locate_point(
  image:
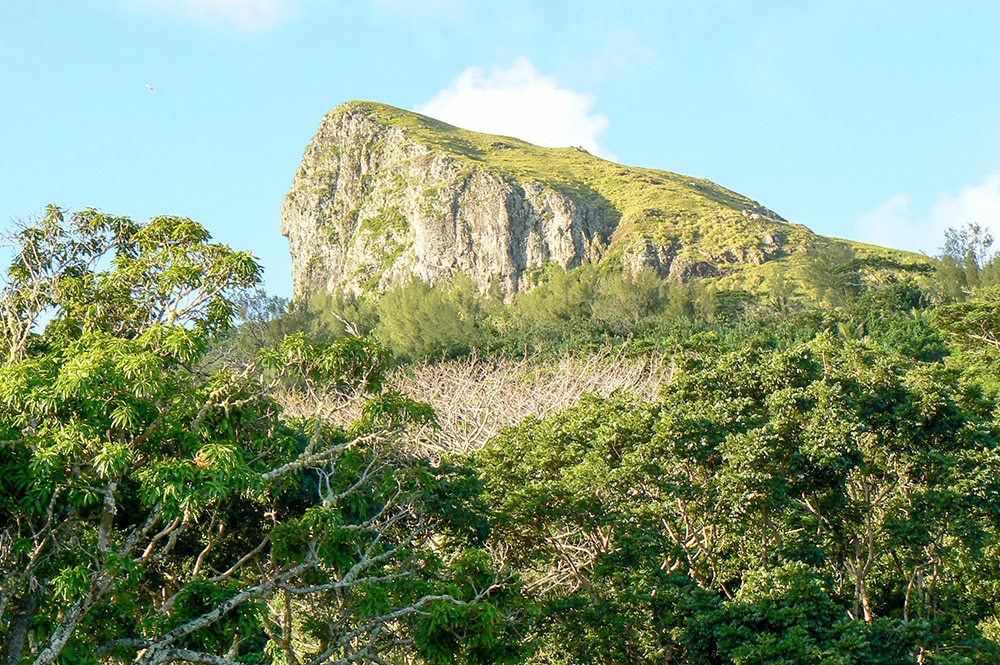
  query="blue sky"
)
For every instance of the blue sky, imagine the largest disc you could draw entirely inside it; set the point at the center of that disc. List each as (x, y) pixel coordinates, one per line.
(877, 121)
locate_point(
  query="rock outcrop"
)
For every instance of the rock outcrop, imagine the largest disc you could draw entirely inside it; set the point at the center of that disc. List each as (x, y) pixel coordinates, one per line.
(384, 195)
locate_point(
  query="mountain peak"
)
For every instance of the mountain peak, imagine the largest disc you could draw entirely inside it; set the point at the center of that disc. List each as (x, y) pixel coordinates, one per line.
(385, 195)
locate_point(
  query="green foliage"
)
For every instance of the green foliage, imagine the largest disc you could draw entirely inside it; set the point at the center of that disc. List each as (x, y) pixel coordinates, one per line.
(389, 220)
(592, 306)
(973, 328)
(816, 485)
(418, 322)
(969, 245)
(815, 504)
(966, 262)
(340, 314)
(158, 506)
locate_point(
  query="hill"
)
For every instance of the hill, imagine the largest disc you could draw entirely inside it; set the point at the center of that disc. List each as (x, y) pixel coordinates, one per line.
(384, 195)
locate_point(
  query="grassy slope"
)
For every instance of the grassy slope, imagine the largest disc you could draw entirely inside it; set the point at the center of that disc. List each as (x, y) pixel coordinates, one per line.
(706, 219)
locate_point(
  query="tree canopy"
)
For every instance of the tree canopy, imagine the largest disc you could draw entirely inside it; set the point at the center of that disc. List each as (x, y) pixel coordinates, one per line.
(816, 483)
(158, 506)
(824, 503)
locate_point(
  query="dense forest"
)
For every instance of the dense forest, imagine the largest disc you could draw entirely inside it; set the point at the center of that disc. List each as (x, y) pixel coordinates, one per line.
(193, 471)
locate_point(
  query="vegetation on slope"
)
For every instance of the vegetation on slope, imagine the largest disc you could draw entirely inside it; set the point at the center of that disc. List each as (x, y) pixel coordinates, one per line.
(815, 484)
(816, 481)
(826, 503)
(702, 219)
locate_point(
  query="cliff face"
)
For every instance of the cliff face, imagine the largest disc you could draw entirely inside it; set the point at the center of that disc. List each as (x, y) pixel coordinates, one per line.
(384, 195)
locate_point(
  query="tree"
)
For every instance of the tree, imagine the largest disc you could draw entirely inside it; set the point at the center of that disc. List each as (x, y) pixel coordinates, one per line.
(975, 324)
(966, 261)
(156, 505)
(418, 321)
(828, 502)
(969, 246)
(973, 327)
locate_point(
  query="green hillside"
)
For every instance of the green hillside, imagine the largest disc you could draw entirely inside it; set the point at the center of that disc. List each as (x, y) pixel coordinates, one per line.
(706, 220)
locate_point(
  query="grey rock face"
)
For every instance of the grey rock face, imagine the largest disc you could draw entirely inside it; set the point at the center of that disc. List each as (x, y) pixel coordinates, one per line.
(370, 207)
(384, 196)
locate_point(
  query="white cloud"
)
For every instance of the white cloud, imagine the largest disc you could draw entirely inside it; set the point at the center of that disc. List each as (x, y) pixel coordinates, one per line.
(520, 102)
(888, 225)
(245, 15)
(895, 224)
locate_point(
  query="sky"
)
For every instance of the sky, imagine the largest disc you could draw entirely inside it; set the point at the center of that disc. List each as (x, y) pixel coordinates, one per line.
(871, 120)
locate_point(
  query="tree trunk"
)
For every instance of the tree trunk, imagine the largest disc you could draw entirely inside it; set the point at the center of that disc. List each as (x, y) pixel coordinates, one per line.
(17, 630)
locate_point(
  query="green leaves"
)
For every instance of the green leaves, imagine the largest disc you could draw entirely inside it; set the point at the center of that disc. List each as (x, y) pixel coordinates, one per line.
(417, 321)
(348, 364)
(812, 489)
(112, 460)
(156, 500)
(71, 583)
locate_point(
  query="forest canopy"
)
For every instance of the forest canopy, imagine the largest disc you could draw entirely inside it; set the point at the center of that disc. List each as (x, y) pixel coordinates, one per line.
(194, 472)
(156, 504)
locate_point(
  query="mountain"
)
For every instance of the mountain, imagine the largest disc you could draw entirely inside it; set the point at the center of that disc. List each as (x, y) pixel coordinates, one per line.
(384, 195)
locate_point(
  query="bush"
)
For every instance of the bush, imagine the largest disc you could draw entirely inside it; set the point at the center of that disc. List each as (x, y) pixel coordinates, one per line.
(417, 321)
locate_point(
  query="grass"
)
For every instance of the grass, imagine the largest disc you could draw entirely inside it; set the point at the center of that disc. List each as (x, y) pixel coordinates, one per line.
(390, 219)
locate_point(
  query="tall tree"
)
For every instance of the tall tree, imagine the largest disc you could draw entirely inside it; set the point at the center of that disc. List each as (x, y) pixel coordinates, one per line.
(969, 245)
(830, 502)
(967, 261)
(156, 507)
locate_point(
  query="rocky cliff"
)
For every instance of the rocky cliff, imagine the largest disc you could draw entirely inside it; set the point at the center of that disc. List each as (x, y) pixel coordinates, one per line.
(385, 195)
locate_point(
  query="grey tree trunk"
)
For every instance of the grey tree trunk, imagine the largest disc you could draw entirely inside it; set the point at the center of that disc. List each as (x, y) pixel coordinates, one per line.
(21, 618)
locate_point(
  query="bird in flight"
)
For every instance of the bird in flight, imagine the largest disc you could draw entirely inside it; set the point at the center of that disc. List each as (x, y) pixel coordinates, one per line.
(150, 88)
